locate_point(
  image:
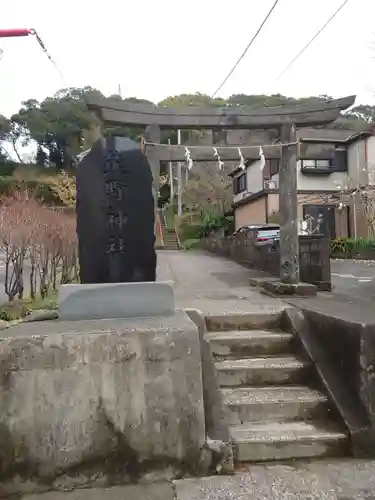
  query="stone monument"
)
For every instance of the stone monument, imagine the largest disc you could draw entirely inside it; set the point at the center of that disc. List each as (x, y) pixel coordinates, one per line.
(115, 214)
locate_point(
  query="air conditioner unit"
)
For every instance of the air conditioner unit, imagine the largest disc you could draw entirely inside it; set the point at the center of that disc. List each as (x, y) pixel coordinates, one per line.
(270, 185)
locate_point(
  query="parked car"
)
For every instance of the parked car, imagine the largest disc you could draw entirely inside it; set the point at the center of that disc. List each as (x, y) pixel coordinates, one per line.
(264, 232)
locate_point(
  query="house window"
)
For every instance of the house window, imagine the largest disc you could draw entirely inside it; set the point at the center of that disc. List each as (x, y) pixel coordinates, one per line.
(340, 162)
(274, 166)
(315, 164)
(239, 184)
(337, 164)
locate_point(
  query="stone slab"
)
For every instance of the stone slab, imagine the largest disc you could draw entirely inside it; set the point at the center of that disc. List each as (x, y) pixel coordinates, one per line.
(116, 300)
(131, 492)
(281, 288)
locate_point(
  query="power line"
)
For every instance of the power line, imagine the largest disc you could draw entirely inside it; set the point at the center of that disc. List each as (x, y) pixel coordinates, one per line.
(245, 51)
(312, 39)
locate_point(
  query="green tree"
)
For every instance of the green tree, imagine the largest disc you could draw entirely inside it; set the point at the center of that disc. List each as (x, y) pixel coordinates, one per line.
(11, 133)
(57, 123)
(187, 100)
(363, 112)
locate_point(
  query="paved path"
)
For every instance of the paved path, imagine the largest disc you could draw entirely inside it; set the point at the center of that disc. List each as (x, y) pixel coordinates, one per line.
(354, 278)
(215, 284)
(212, 284)
(324, 480)
(353, 295)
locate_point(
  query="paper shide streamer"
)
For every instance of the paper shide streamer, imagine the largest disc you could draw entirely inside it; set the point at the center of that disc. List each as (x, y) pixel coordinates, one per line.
(188, 159)
(217, 156)
(242, 159)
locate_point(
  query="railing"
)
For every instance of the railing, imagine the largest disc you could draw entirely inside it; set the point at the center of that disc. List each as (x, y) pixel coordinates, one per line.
(159, 228)
(177, 237)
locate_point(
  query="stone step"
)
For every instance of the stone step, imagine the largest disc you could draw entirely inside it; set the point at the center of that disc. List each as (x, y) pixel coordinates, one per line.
(244, 321)
(261, 371)
(287, 440)
(274, 404)
(249, 342)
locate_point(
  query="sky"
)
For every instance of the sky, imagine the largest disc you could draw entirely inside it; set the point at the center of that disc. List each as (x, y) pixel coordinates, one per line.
(155, 49)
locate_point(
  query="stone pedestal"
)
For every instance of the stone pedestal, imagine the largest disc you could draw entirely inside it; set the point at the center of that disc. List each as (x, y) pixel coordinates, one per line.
(100, 401)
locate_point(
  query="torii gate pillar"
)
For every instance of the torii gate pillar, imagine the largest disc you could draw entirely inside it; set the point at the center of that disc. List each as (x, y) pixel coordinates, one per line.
(153, 134)
(288, 205)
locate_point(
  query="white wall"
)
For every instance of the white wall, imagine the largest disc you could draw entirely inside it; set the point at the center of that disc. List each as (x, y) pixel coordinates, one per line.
(319, 182)
(254, 181)
(371, 159)
(254, 177)
(357, 169)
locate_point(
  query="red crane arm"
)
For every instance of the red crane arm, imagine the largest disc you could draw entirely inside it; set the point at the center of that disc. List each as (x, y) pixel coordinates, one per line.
(16, 33)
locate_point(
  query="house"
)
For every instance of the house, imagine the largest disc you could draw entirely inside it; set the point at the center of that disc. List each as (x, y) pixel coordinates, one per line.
(329, 162)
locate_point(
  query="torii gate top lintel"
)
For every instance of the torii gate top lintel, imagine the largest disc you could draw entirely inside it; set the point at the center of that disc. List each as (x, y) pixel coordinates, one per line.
(118, 112)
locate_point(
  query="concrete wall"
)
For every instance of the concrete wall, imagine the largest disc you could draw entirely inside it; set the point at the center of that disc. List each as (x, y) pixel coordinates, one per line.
(251, 213)
(343, 356)
(100, 399)
(314, 256)
(273, 204)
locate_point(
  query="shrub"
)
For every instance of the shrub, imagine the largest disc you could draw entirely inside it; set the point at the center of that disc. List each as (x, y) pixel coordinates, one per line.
(191, 232)
(192, 243)
(44, 236)
(56, 190)
(351, 245)
(213, 222)
(15, 310)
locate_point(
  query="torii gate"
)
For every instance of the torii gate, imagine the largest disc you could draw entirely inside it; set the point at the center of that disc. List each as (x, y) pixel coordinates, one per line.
(285, 119)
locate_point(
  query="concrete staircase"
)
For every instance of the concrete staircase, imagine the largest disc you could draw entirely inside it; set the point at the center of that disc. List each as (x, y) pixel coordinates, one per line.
(170, 239)
(273, 403)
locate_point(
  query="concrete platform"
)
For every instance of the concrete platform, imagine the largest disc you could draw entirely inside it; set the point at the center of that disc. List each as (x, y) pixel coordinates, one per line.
(122, 395)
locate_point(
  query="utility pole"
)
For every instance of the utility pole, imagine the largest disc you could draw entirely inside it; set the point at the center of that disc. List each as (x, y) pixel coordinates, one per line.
(171, 186)
(179, 179)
